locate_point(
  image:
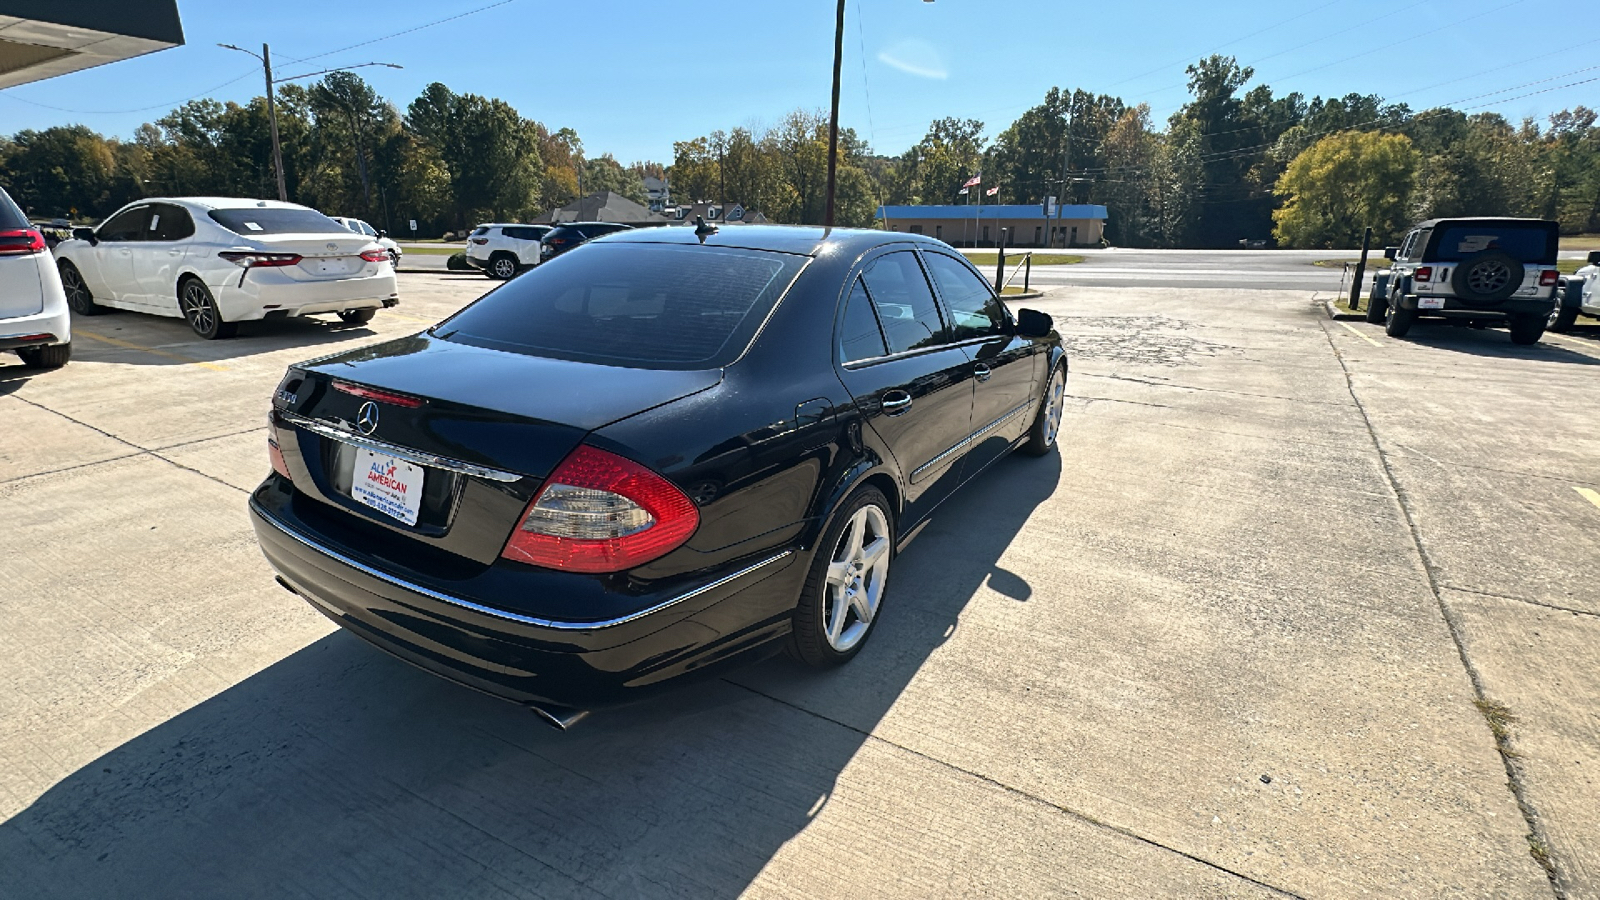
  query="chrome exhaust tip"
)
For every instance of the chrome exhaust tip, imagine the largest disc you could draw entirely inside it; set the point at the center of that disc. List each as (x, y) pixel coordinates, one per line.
(560, 718)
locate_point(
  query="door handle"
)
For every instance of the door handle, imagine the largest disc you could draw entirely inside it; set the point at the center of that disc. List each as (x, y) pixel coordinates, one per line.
(982, 371)
(896, 402)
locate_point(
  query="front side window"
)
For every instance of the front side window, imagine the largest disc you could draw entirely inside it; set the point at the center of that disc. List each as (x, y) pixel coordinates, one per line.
(974, 309)
(637, 305)
(128, 225)
(252, 221)
(859, 335)
(904, 302)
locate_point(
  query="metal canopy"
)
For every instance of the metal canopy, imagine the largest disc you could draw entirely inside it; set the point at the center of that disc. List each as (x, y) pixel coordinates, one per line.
(39, 41)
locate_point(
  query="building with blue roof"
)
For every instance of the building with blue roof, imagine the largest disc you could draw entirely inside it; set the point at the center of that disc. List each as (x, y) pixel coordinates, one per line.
(1070, 225)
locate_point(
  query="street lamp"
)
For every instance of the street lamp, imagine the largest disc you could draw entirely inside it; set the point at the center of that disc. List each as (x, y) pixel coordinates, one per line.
(833, 118)
(272, 109)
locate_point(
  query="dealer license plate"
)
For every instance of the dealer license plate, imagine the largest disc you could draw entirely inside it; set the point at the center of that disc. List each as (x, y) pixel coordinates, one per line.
(389, 485)
(1430, 303)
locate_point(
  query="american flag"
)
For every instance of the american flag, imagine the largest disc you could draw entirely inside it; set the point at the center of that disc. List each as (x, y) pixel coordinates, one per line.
(992, 191)
(973, 181)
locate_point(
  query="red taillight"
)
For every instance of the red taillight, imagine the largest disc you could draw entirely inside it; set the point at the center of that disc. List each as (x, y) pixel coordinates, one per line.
(379, 255)
(367, 393)
(599, 512)
(1424, 274)
(21, 241)
(1549, 277)
(251, 260)
(480, 240)
(276, 455)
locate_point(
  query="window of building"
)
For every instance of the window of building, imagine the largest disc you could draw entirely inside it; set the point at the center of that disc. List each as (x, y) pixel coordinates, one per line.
(916, 229)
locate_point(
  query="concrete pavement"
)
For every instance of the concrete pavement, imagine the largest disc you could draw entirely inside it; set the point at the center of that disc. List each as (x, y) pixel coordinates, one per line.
(1233, 641)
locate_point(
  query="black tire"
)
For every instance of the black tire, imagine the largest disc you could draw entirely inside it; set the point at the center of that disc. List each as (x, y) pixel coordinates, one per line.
(199, 309)
(1568, 300)
(52, 357)
(1487, 277)
(1378, 299)
(1398, 320)
(1527, 329)
(501, 267)
(79, 299)
(356, 316)
(809, 642)
(394, 258)
(1047, 418)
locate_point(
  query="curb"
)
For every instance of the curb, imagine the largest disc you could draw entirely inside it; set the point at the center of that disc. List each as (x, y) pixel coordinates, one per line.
(1338, 314)
(1026, 295)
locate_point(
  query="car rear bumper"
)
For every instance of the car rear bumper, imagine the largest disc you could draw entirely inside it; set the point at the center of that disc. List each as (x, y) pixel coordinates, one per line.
(1516, 306)
(691, 629)
(23, 331)
(263, 292)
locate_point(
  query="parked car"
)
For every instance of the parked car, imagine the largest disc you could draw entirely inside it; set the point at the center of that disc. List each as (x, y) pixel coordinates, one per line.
(55, 231)
(1579, 295)
(570, 234)
(382, 237)
(1470, 271)
(218, 261)
(33, 308)
(725, 447)
(502, 250)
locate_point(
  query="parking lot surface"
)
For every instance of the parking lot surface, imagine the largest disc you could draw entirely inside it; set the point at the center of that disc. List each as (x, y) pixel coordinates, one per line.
(1252, 633)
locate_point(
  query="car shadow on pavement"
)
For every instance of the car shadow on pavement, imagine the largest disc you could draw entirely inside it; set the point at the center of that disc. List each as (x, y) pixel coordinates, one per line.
(1496, 343)
(168, 341)
(14, 376)
(340, 771)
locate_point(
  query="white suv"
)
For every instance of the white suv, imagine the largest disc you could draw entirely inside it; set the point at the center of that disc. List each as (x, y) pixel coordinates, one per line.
(217, 261)
(503, 250)
(382, 237)
(1579, 295)
(33, 309)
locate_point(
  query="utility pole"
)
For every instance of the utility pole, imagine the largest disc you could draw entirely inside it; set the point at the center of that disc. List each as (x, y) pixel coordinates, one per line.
(1066, 156)
(833, 118)
(272, 117)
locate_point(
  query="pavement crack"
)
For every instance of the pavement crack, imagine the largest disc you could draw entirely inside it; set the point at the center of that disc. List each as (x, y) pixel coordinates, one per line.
(140, 451)
(1120, 400)
(1514, 778)
(1208, 390)
(1018, 792)
(1555, 606)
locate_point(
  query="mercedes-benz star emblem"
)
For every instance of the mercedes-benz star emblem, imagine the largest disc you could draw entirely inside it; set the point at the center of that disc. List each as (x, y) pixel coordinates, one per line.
(367, 417)
(332, 246)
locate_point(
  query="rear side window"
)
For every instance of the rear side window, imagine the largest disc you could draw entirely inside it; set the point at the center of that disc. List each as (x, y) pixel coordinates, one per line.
(170, 223)
(11, 217)
(859, 335)
(637, 305)
(1528, 243)
(252, 221)
(480, 230)
(974, 309)
(904, 302)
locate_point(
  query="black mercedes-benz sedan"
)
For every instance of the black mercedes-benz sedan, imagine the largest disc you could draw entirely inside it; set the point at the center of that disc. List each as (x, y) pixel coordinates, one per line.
(667, 451)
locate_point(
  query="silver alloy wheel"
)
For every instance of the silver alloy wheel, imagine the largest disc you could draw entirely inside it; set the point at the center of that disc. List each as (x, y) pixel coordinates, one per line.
(1488, 276)
(504, 267)
(196, 304)
(857, 573)
(1055, 405)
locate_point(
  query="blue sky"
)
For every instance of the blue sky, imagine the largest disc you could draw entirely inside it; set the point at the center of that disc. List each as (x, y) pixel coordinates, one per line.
(632, 76)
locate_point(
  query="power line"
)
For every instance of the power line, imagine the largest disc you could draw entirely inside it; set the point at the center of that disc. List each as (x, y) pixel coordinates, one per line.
(461, 15)
(111, 112)
(1247, 37)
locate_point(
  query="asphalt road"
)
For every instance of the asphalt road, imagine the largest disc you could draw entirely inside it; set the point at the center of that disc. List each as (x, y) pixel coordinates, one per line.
(1235, 639)
(1277, 270)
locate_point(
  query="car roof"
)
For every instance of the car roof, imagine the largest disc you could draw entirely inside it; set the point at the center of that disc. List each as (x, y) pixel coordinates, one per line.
(1484, 220)
(805, 240)
(509, 225)
(209, 203)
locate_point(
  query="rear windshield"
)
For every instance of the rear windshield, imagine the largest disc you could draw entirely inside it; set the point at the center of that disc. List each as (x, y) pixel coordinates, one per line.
(645, 306)
(262, 220)
(10, 216)
(1531, 243)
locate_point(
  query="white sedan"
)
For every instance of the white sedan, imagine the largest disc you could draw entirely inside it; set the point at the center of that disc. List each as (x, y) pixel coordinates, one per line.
(382, 237)
(219, 261)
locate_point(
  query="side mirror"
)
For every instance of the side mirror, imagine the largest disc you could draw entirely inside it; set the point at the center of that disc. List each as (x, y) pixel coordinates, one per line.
(382, 233)
(85, 234)
(1034, 324)
(1594, 257)
(1391, 252)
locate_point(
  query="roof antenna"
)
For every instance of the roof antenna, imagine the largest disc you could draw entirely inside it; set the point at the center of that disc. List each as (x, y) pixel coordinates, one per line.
(702, 230)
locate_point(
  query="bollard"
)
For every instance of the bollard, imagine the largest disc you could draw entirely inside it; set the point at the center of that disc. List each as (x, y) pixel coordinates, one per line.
(1027, 270)
(1361, 270)
(1000, 264)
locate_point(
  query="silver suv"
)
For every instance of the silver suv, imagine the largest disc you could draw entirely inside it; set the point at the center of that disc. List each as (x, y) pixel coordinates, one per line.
(503, 250)
(1471, 271)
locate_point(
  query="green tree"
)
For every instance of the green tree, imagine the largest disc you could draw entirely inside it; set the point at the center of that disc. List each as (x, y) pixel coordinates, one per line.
(1343, 183)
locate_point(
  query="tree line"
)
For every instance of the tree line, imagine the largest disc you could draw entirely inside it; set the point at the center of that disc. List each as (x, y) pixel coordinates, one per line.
(1236, 161)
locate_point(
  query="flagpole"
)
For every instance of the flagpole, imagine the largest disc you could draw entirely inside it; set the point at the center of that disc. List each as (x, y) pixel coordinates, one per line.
(977, 214)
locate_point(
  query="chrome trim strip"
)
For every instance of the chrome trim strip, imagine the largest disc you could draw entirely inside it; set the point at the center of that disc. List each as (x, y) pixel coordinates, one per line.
(415, 456)
(966, 441)
(558, 624)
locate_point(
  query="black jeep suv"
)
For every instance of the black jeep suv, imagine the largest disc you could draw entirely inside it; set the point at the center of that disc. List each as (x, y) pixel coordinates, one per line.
(1472, 271)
